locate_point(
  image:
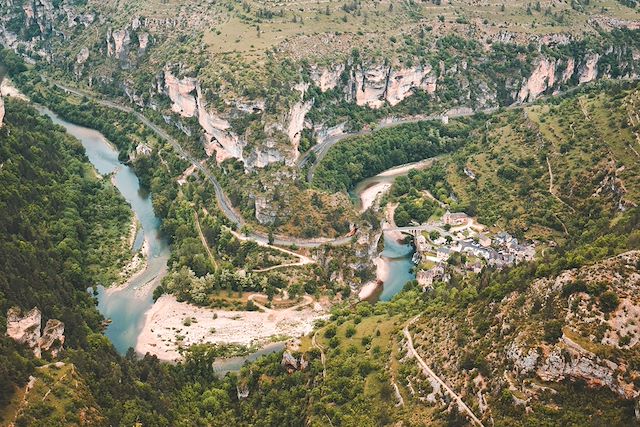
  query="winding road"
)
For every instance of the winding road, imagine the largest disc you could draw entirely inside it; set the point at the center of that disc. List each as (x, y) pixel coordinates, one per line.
(223, 202)
(320, 150)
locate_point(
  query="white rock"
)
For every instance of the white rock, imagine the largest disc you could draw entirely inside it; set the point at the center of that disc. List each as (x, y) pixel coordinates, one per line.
(1, 111)
(589, 70)
(52, 337)
(296, 123)
(25, 329)
(542, 78)
(180, 92)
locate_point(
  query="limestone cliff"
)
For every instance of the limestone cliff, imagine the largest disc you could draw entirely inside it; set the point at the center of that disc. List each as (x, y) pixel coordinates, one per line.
(296, 123)
(326, 78)
(542, 78)
(26, 330)
(589, 69)
(181, 93)
(52, 337)
(1, 111)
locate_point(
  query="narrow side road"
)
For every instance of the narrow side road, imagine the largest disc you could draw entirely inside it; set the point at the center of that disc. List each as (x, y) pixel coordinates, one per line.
(314, 342)
(427, 371)
(203, 239)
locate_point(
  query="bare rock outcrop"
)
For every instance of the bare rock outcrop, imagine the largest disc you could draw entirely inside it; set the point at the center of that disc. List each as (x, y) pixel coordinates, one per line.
(402, 83)
(327, 78)
(27, 330)
(371, 86)
(265, 213)
(52, 337)
(1, 112)
(181, 93)
(589, 70)
(570, 360)
(296, 123)
(542, 78)
(118, 44)
(291, 364)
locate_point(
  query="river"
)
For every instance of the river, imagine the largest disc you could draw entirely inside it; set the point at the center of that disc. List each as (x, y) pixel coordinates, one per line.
(126, 305)
(396, 256)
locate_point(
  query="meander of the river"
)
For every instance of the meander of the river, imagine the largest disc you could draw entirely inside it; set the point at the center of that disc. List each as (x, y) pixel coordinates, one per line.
(126, 306)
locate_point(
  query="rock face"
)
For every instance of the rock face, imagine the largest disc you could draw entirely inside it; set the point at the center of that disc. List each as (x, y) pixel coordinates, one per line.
(570, 361)
(371, 86)
(327, 78)
(377, 84)
(52, 337)
(180, 91)
(26, 330)
(219, 138)
(296, 123)
(118, 44)
(291, 364)
(542, 78)
(265, 214)
(589, 70)
(403, 82)
(1, 111)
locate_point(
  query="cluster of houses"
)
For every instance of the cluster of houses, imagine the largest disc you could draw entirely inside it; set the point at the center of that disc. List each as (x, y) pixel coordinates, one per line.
(478, 248)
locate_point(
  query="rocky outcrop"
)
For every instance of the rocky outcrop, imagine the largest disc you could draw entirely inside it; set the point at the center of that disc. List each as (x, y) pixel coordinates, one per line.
(181, 93)
(264, 155)
(219, 138)
(326, 78)
(371, 86)
(589, 70)
(291, 364)
(82, 56)
(296, 123)
(524, 361)
(188, 100)
(265, 213)
(52, 337)
(546, 75)
(26, 330)
(402, 83)
(542, 78)
(569, 360)
(1, 112)
(41, 13)
(143, 42)
(118, 44)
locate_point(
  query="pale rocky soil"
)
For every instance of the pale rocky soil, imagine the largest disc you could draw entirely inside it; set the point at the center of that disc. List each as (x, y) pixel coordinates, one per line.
(165, 321)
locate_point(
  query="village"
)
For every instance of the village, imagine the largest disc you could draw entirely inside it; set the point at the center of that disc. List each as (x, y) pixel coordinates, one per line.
(457, 242)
